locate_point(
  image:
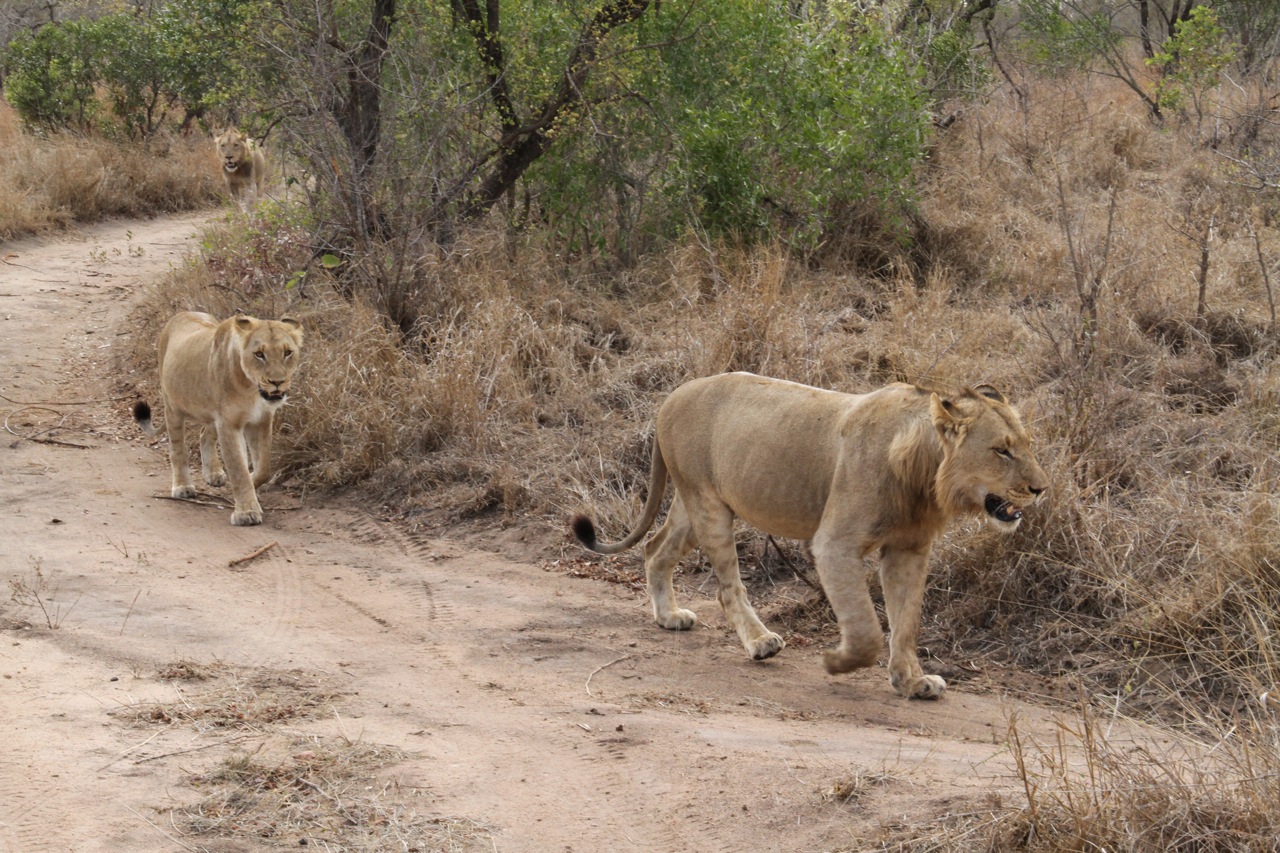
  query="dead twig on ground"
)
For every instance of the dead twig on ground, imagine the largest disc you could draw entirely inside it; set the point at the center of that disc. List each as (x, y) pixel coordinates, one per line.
(598, 669)
(130, 612)
(161, 831)
(252, 556)
(786, 561)
(37, 436)
(65, 402)
(195, 748)
(213, 501)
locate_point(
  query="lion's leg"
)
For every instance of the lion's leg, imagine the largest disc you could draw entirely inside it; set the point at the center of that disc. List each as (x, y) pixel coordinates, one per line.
(713, 527)
(175, 423)
(247, 510)
(844, 581)
(210, 463)
(661, 553)
(902, 576)
(258, 439)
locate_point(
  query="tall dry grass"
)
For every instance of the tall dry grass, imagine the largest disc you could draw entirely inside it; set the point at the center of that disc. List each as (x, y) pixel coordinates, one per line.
(48, 183)
(1098, 783)
(1154, 567)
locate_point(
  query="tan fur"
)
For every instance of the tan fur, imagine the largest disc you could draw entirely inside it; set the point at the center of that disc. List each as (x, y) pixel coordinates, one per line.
(231, 377)
(243, 164)
(857, 474)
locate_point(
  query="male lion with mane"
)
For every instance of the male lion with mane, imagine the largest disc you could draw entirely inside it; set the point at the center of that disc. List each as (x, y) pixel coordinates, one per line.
(243, 165)
(855, 474)
(231, 377)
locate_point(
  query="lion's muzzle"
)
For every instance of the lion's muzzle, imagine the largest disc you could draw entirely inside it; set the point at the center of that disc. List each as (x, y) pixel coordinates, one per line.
(1002, 510)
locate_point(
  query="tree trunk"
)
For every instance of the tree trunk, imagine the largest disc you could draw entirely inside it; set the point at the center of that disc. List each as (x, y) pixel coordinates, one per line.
(1144, 27)
(360, 114)
(522, 143)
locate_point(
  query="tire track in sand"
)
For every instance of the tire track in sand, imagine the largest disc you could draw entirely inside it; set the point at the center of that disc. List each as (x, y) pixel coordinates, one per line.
(402, 561)
(605, 760)
(275, 576)
(29, 819)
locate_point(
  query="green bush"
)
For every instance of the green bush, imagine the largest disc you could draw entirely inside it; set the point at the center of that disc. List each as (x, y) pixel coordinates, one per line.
(184, 57)
(50, 75)
(748, 122)
(1192, 61)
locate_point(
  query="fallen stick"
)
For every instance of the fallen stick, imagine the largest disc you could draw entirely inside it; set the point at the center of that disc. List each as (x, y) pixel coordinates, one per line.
(193, 749)
(218, 502)
(597, 669)
(247, 557)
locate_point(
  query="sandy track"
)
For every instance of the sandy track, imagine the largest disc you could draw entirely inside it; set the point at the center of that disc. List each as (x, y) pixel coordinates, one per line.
(547, 711)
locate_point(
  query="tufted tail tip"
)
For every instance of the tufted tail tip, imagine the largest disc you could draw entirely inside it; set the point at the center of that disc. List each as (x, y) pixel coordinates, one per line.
(142, 414)
(585, 531)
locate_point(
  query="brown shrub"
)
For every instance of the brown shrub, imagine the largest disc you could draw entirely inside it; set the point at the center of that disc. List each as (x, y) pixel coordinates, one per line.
(49, 183)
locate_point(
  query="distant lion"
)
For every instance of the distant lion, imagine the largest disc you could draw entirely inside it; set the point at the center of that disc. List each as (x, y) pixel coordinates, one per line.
(857, 474)
(244, 166)
(230, 377)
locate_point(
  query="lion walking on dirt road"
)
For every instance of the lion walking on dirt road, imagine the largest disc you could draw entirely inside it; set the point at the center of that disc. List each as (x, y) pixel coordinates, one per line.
(856, 474)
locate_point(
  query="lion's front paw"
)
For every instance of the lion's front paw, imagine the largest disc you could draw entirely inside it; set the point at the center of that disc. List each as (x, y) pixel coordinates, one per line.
(847, 660)
(183, 492)
(678, 620)
(765, 647)
(246, 518)
(216, 478)
(923, 687)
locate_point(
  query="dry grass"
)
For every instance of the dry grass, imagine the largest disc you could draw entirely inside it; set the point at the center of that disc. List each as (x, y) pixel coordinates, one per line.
(231, 699)
(1097, 787)
(853, 786)
(332, 794)
(284, 789)
(50, 183)
(1061, 241)
(1219, 796)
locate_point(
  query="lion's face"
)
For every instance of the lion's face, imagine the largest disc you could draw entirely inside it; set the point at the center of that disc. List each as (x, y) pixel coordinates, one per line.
(233, 149)
(989, 466)
(269, 354)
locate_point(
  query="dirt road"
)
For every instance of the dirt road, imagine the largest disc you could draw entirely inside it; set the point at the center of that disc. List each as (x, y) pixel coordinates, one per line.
(357, 687)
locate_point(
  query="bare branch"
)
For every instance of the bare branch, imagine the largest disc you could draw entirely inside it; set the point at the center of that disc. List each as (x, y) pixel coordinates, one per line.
(521, 147)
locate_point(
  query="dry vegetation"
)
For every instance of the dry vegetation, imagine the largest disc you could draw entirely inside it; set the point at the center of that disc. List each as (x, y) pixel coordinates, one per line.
(282, 789)
(1085, 792)
(1113, 275)
(312, 791)
(49, 183)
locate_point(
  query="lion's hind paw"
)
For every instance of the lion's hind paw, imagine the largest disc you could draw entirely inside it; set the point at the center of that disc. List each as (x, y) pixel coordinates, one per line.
(928, 687)
(678, 620)
(246, 518)
(763, 648)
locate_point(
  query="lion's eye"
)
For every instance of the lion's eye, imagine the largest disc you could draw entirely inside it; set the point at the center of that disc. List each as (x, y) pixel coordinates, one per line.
(288, 353)
(1000, 451)
(260, 355)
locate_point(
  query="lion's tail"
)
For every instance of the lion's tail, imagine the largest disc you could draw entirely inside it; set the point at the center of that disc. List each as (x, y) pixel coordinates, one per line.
(585, 529)
(142, 414)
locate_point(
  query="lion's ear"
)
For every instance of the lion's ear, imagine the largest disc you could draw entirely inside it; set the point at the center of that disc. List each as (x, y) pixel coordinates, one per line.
(295, 326)
(991, 393)
(245, 323)
(947, 418)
